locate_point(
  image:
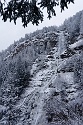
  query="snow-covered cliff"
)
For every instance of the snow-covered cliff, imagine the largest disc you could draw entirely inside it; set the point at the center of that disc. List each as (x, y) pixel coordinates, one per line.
(54, 98)
(41, 81)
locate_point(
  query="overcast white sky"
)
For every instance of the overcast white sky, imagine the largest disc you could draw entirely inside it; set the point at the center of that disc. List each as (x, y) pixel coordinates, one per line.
(10, 32)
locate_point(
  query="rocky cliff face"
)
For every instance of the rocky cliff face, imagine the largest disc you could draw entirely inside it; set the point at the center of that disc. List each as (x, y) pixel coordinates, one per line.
(54, 95)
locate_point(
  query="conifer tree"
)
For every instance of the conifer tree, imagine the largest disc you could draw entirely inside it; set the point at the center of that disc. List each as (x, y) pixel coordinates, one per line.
(30, 10)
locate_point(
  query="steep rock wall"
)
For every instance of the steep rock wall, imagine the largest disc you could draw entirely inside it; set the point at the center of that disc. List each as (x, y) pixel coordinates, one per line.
(55, 93)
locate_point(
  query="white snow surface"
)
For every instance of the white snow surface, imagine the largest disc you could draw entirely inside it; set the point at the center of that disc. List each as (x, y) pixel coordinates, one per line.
(77, 44)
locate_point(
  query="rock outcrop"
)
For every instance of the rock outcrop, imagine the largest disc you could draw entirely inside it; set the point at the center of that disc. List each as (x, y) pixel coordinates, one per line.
(54, 95)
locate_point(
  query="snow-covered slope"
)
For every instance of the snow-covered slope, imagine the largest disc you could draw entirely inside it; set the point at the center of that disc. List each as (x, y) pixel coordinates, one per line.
(41, 81)
(54, 95)
(77, 45)
(39, 87)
